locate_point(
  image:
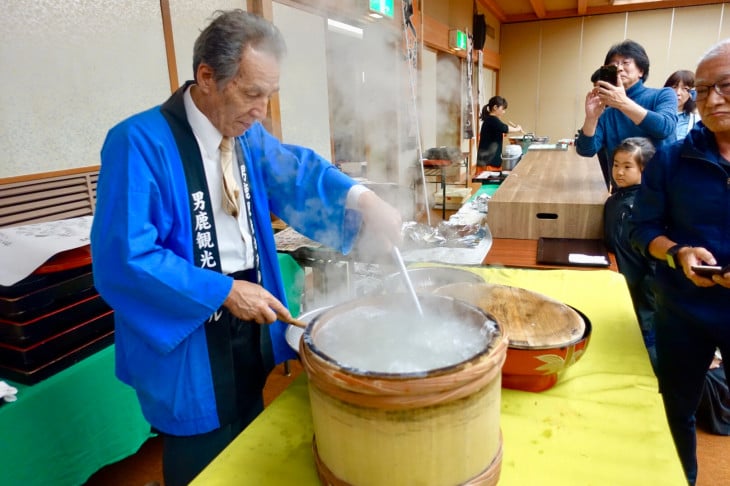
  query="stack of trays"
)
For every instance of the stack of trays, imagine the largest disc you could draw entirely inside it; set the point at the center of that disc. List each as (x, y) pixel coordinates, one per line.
(52, 319)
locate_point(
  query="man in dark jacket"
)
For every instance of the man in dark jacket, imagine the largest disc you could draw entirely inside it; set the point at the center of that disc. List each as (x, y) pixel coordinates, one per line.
(682, 218)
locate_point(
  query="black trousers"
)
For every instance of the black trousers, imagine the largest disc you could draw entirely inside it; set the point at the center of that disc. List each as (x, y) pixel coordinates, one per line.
(183, 458)
(241, 358)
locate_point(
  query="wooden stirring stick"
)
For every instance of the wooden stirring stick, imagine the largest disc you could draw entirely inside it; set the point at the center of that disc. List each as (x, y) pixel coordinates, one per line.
(294, 322)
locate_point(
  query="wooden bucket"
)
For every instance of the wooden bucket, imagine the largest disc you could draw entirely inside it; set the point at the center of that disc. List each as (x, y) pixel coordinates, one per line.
(435, 427)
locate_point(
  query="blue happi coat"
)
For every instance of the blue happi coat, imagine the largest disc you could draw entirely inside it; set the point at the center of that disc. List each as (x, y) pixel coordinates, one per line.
(143, 258)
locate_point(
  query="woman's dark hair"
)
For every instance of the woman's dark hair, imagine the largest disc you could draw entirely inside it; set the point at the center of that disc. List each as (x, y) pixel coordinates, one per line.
(632, 50)
(640, 148)
(493, 102)
(688, 79)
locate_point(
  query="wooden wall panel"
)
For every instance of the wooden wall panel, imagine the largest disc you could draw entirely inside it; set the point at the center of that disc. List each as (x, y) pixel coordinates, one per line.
(725, 18)
(560, 56)
(520, 75)
(683, 54)
(532, 58)
(652, 29)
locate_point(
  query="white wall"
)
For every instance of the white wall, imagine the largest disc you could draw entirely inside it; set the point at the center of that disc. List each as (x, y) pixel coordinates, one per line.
(428, 94)
(303, 99)
(70, 72)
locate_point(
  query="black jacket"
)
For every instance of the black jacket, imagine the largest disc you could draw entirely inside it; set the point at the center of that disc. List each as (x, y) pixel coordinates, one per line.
(636, 269)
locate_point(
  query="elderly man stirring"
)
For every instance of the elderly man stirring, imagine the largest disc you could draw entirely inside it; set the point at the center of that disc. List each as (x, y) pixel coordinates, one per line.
(183, 247)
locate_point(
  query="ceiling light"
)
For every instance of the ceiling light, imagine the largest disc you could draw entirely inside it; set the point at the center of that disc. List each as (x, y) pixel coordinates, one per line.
(343, 28)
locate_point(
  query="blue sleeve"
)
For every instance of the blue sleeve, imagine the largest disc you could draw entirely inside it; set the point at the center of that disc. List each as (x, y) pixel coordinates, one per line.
(588, 146)
(141, 239)
(306, 191)
(660, 121)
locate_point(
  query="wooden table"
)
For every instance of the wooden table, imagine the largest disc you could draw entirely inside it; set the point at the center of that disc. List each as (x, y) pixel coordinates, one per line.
(511, 252)
(550, 193)
(603, 423)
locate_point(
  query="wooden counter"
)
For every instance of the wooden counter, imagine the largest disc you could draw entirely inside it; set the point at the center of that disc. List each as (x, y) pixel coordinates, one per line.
(550, 193)
(509, 252)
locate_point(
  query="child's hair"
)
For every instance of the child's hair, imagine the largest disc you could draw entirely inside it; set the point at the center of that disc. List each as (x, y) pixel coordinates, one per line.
(640, 148)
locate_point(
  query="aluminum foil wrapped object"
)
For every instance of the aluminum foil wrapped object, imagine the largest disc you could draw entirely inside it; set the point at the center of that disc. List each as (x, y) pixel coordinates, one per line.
(481, 203)
(446, 234)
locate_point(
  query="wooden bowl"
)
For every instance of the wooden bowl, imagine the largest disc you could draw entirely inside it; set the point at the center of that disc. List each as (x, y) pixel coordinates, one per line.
(545, 336)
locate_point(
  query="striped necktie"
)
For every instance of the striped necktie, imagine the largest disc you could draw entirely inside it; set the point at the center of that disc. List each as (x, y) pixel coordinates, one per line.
(230, 188)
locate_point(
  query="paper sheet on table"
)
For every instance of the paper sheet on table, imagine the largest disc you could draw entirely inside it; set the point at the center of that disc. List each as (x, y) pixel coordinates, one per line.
(587, 259)
(25, 248)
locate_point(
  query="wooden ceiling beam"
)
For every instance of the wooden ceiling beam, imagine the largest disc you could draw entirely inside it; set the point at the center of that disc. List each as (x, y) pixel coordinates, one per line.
(582, 7)
(608, 9)
(538, 6)
(494, 9)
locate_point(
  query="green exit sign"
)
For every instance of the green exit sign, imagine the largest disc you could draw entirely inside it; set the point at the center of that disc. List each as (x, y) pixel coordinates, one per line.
(457, 39)
(382, 7)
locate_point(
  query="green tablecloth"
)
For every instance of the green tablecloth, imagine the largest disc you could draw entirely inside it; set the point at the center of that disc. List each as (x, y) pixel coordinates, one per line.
(602, 424)
(488, 189)
(63, 429)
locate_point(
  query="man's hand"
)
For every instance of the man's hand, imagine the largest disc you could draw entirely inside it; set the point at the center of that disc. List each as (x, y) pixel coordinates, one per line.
(382, 223)
(616, 97)
(251, 302)
(696, 255)
(610, 95)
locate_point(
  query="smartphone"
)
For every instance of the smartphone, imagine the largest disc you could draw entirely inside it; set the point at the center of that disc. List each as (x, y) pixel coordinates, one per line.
(608, 73)
(708, 271)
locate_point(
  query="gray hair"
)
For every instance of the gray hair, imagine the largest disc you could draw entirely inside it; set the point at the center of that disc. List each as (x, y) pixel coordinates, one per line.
(222, 43)
(717, 50)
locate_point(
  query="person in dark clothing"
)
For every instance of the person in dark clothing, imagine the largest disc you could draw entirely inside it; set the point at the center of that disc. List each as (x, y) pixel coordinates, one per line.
(629, 159)
(682, 219)
(492, 133)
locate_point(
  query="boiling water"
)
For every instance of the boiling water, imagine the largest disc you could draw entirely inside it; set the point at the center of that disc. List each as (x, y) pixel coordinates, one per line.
(380, 340)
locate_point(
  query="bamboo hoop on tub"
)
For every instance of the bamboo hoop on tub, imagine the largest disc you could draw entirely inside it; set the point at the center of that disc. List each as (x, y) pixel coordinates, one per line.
(396, 393)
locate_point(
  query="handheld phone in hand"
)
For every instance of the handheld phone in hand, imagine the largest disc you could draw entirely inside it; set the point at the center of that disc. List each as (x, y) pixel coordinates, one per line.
(708, 271)
(608, 73)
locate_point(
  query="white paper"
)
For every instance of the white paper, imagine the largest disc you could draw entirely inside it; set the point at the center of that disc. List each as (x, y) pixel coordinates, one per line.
(25, 248)
(587, 259)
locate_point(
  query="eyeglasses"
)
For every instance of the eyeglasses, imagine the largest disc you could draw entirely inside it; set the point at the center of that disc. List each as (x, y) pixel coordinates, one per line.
(624, 64)
(721, 87)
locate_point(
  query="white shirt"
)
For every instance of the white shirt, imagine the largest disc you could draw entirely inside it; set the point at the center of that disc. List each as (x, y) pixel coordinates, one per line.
(234, 238)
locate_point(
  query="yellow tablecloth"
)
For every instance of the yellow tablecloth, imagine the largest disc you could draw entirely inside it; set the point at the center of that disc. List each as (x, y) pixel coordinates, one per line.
(602, 424)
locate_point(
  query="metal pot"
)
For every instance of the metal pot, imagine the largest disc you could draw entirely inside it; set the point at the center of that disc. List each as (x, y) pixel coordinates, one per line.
(427, 279)
(293, 334)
